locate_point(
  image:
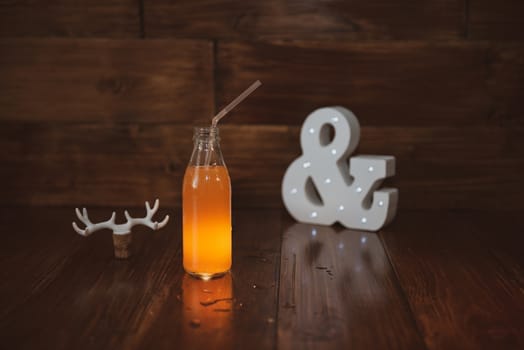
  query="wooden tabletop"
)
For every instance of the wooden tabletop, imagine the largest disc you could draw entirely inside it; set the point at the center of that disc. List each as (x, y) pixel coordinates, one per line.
(431, 280)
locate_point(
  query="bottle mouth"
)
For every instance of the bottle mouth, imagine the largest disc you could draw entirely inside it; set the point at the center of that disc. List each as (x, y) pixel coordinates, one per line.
(206, 133)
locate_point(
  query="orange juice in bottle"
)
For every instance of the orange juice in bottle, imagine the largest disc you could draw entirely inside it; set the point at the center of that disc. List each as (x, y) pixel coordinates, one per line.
(206, 208)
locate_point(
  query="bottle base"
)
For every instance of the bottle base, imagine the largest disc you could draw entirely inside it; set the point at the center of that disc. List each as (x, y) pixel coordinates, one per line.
(206, 276)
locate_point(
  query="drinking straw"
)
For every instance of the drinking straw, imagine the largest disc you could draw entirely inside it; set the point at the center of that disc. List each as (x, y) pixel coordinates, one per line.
(234, 103)
(229, 107)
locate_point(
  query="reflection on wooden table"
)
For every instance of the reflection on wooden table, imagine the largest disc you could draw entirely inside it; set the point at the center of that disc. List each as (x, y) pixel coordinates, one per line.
(207, 309)
(330, 281)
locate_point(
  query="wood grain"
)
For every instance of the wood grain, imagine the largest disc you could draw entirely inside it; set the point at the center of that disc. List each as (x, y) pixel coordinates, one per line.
(95, 301)
(249, 318)
(500, 20)
(383, 83)
(511, 256)
(331, 20)
(105, 80)
(63, 18)
(30, 257)
(126, 164)
(459, 291)
(430, 280)
(338, 290)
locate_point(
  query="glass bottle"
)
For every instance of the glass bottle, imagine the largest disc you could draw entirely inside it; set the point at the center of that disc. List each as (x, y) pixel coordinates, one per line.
(206, 208)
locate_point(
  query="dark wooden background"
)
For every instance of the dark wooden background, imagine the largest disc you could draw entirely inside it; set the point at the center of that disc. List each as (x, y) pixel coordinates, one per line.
(98, 98)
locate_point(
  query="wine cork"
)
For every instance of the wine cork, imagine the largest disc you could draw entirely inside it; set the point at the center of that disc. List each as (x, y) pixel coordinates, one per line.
(122, 245)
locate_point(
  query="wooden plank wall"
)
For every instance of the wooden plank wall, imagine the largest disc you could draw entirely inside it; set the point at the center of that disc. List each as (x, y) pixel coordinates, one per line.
(98, 98)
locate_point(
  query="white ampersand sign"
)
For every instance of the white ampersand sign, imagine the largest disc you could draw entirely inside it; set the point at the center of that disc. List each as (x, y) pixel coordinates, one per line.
(323, 187)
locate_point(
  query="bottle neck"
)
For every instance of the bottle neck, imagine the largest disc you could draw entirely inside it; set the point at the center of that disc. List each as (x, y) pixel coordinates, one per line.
(207, 134)
(206, 151)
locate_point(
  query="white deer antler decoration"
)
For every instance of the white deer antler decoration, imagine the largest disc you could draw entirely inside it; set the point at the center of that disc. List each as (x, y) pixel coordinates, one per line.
(121, 232)
(119, 229)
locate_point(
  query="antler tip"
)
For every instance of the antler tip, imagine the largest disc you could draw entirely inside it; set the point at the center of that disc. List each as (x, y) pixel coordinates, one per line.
(155, 206)
(79, 230)
(159, 225)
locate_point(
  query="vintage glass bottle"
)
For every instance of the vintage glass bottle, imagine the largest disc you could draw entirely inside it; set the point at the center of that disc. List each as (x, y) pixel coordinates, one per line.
(206, 208)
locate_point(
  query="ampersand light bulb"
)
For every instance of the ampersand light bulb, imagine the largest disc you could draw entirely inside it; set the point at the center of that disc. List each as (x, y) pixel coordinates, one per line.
(348, 187)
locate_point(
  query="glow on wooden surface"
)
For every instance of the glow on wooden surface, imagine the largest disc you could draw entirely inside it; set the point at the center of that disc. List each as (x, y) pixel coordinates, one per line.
(207, 311)
(206, 202)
